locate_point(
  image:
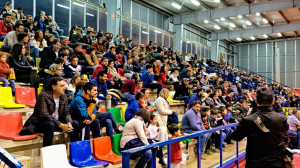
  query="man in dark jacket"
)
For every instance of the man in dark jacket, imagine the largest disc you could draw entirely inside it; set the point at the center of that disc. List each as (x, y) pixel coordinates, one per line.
(49, 54)
(263, 149)
(50, 113)
(81, 57)
(182, 92)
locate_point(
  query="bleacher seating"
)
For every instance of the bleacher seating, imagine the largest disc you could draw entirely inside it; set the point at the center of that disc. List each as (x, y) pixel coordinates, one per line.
(81, 155)
(116, 112)
(103, 150)
(116, 144)
(10, 126)
(6, 99)
(55, 156)
(25, 95)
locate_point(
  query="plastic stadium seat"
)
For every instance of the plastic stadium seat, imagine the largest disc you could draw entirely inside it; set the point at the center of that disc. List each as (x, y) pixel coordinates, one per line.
(1, 44)
(84, 51)
(121, 72)
(6, 99)
(25, 95)
(103, 151)
(116, 143)
(123, 109)
(102, 110)
(10, 126)
(39, 90)
(81, 155)
(116, 112)
(37, 62)
(54, 156)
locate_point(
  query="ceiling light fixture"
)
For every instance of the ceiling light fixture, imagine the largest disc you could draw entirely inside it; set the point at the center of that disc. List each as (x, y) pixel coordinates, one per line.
(257, 14)
(176, 5)
(78, 4)
(240, 16)
(252, 38)
(145, 32)
(279, 34)
(217, 1)
(265, 36)
(63, 6)
(195, 2)
(188, 42)
(232, 25)
(217, 27)
(265, 21)
(157, 31)
(248, 23)
(89, 14)
(206, 21)
(238, 39)
(222, 19)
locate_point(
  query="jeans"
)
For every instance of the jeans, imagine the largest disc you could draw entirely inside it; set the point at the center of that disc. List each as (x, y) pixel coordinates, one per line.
(204, 140)
(47, 128)
(294, 141)
(2, 38)
(5, 48)
(157, 86)
(107, 120)
(184, 98)
(173, 118)
(5, 83)
(34, 52)
(77, 135)
(128, 96)
(58, 33)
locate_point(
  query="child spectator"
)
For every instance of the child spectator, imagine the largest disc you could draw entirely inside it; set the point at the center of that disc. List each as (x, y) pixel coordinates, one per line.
(133, 106)
(128, 67)
(139, 86)
(152, 128)
(176, 152)
(5, 71)
(73, 68)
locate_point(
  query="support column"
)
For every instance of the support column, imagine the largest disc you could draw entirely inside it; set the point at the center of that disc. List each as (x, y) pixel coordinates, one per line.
(215, 50)
(177, 37)
(113, 16)
(277, 65)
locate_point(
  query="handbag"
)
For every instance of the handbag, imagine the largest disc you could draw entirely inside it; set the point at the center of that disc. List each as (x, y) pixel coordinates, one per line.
(12, 76)
(287, 155)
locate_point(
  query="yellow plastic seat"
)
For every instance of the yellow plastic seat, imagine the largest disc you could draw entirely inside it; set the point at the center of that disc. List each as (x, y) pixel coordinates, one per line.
(171, 100)
(6, 99)
(39, 90)
(1, 44)
(37, 62)
(123, 109)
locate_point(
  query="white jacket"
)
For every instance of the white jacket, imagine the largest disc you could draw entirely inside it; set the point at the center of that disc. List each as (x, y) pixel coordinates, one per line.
(162, 106)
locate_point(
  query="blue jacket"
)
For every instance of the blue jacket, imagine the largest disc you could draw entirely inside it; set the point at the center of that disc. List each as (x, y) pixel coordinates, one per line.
(133, 107)
(109, 55)
(101, 88)
(146, 77)
(78, 107)
(194, 97)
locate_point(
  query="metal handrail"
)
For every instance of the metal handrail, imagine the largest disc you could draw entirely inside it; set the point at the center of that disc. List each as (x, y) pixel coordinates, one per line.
(126, 153)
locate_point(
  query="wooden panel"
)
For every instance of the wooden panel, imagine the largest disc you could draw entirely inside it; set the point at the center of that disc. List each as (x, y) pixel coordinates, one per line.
(274, 17)
(289, 34)
(292, 14)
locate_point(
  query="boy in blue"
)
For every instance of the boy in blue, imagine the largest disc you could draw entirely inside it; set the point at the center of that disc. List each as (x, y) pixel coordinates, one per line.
(100, 82)
(147, 78)
(83, 111)
(133, 106)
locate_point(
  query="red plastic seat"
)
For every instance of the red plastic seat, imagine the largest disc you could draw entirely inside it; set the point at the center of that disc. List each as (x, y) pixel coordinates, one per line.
(103, 150)
(102, 110)
(84, 51)
(25, 95)
(10, 126)
(121, 73)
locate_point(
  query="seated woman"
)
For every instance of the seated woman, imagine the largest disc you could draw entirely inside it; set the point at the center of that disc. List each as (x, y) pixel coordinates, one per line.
(146, 103)
(134, 135)
(73, 84)
(55, 71)
(91, 59)
(163, 78)
(113, 77)
(24, 72)
(39, 42)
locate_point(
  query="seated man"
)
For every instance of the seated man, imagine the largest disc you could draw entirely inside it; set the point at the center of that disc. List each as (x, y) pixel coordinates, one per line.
(100, 82)
(196, 96)
(11, 38)
(51, 113)
(294, 125)
(49, 54)
(83, 111)
(5, 26)
(147, 78)
(81, 57)
(182, 92)
(192, 123)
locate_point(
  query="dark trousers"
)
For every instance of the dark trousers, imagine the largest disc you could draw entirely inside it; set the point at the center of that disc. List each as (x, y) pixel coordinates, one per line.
(157, 86)
(173, 118)
(107, 120)
(77, 135)
(184, 98)
(47, 128)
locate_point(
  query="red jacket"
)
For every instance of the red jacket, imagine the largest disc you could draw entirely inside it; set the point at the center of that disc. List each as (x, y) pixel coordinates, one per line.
(176, 153)
(99, 68)
(3, 28)
(4, 70)
(162, 79)
(128, 86)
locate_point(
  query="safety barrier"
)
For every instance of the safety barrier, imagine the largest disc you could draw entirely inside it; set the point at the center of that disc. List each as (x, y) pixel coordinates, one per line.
(7, 159)
(239, 157)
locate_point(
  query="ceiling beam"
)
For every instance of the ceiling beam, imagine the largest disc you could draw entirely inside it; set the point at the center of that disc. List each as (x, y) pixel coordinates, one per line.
(224, 2)
(256, 31)
(212, 14)
(284, 16)
(265, 17)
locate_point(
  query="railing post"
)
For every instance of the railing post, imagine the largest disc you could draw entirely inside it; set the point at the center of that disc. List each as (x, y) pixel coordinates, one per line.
(298, 139)
(221, 149)
(237, 154)
(154, 151)
(199, 151)
(169, 155)
(125, 160)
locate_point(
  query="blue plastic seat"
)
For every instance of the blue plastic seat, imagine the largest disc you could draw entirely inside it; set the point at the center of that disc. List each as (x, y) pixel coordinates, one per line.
(81, 155)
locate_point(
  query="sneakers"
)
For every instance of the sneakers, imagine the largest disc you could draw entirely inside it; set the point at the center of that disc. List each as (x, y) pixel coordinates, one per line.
(208, 152)
(202, 157)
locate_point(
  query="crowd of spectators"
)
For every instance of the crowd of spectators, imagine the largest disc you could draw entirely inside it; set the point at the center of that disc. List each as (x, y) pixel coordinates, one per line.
(214, 93)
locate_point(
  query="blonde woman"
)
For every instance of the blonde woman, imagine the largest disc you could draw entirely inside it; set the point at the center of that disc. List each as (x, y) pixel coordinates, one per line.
(165, 116)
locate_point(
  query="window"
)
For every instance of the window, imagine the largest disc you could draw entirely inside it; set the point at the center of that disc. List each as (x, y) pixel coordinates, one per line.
(143, 14)
(62, 10)
(144, 34)
(171, 41)
(26, 5)
(126, 8)
(151, 35)
(135, 34)
(193, 48)
(91, 17)
(77, 13)
(96, 2)
(159, 37)
(166, 41)
(135, 11)
(45, 5)
(151, 17)
(183, 48)
(2, 4)
(103, 21)
(126, 28)
(189, 47)
(159, 20)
